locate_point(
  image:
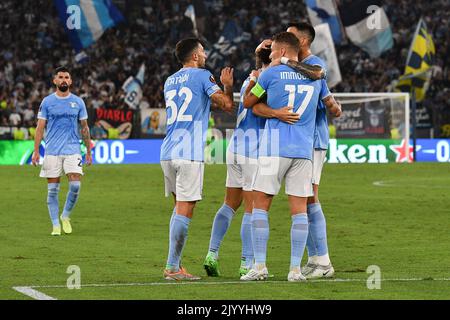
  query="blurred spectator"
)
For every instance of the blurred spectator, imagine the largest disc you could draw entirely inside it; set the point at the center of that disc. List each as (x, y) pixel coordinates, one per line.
(97, 132)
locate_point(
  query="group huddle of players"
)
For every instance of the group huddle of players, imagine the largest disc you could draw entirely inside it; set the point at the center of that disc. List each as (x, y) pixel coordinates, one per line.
(281, 134)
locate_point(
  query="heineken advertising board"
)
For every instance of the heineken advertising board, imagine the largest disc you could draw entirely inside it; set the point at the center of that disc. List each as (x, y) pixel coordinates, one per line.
(147, 151)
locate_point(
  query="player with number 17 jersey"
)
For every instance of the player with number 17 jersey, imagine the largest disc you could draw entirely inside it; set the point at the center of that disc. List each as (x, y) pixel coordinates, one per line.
(284, 87)
(187, 94)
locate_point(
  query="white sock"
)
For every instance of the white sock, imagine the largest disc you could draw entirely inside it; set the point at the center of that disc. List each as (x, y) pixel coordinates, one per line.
(323, 260)
(260, 266)
(312, 259)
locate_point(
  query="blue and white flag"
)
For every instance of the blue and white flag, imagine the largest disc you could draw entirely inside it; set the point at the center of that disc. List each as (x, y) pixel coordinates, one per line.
(324, 11)
(323, 47)
(190, 13)
(133, 88)
(86, 20)
(367, 26)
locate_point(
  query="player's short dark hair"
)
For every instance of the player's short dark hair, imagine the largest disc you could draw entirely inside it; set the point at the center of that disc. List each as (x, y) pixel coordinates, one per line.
(305, 28)
(263, 56)
(287, 38)
(184, 48)
(61, 69)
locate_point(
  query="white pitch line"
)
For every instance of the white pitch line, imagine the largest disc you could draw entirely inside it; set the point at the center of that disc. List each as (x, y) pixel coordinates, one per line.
(93, 285)
(37, 295)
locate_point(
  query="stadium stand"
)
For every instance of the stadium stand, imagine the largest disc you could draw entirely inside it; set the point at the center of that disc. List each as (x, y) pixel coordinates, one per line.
(153, 28)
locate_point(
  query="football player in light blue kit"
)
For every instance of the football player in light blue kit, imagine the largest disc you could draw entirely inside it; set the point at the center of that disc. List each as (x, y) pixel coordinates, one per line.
(286, 152)
(319, 264)
(59, 116)
(188, 94)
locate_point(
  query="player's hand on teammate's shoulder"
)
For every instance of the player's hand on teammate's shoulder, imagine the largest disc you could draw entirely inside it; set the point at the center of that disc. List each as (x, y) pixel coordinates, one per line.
(285, 114)
(264, 45)
(226, 76)
(35, 158)
(255, 74)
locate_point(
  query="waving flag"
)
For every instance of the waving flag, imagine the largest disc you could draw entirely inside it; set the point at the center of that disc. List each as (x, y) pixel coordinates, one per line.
(324, 11)
(133, 88)
(367, 26)
(418, 64)
(190, 13)
(86, 20)
(323, 47)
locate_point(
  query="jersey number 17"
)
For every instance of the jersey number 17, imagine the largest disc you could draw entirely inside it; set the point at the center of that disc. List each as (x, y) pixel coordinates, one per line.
(291, 88)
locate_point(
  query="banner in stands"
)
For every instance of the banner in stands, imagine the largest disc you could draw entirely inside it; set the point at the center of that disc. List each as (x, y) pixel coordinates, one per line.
(118, 123)
(366, 121)
(153, 122)
(147, 151)
(423, 116)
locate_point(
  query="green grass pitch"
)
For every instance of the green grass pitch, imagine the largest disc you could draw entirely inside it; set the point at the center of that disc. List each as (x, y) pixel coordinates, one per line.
(394, 216)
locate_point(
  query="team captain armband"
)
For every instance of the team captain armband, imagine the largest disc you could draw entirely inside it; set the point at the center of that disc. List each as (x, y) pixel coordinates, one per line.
(257, 90)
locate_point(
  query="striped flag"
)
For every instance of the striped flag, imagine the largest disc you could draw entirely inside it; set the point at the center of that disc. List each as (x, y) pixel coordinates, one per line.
(418, 63)
(190, 13)
(86, 20)
(133, 88)
(323, 47)
(367, 26)
(324, 11)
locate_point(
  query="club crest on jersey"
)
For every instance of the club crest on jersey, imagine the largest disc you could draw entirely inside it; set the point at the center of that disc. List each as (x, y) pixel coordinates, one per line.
(73, 104)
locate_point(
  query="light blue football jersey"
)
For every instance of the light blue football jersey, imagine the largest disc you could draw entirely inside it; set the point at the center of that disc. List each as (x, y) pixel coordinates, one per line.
(321, 135)
(62, 131)
(187, 94)
(245, 138)
(285, 87)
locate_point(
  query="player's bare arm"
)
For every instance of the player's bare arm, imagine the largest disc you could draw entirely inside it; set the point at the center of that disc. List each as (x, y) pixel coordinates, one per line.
(86, 136)
(249, 98)
(333, 106)
(37, 140)
(284, 114)
(314, 72)
(226, 77)
(224, 99)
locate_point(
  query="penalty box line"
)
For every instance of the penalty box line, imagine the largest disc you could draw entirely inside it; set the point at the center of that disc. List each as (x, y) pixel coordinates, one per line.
(35, 294)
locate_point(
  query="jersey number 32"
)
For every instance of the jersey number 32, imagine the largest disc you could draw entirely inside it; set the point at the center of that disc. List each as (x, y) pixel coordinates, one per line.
(176, 114)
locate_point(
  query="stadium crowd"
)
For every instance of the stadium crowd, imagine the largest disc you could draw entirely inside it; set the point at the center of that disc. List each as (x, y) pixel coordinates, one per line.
(33, 42)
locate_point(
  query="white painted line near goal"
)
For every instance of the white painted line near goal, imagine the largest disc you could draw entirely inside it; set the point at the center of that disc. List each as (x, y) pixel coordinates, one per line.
(30, 292)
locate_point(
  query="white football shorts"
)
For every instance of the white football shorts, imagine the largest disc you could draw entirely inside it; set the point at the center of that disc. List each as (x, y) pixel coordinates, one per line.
(241, 171)
(318, 161)
(53, 166)
(296, 172)
(184, 178)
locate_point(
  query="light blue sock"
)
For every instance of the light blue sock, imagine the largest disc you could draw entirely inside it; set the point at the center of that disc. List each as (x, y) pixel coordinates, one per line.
(220, 226)
(318, 228)
(299, 235)
(53, 202)
(246, 237)
(312, 250)
(174, 212)
(177, 239)
(260, 235)
(72, 197)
